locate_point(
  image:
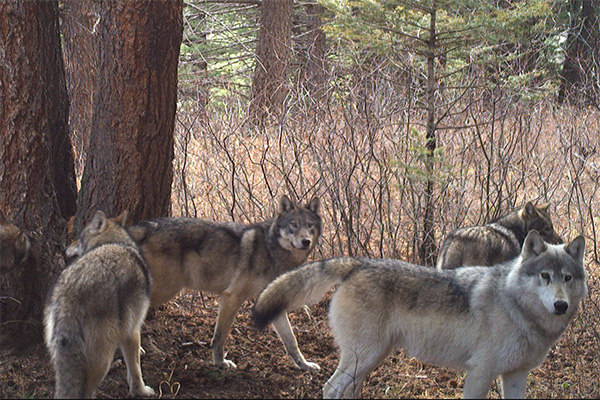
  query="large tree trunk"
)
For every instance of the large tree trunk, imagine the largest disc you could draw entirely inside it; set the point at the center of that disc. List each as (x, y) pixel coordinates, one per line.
(80, 19)
(269, 84)
(34, 155)
(316, 63)
(129, 160)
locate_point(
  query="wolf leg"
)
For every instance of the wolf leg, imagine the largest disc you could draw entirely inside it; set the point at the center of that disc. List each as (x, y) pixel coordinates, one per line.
(130, 347)
(286, 334)
(477, 384)
(230, 304)
(514, 384)
(355, 364)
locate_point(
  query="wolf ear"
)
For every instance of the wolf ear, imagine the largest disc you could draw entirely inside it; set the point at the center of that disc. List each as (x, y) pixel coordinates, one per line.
(122, 219)
(528, 211)
(98, 223)
(534, 245)
(576, 248)
(314, 205)
(285, 205)
(543, 206)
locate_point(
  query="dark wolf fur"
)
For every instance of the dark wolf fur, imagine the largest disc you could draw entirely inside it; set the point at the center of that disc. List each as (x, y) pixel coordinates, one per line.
(498, 241)
(14, 246)
(98, 303)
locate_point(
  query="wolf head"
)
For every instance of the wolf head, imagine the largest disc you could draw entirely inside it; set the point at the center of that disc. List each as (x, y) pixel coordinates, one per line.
(297, 227)
(101, 230)
(554, 273)
(537, 217)
(14, 246)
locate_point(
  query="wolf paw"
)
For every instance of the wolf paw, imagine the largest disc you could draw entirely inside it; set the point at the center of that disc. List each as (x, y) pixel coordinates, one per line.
(144, 391)
(226, 364)
(310, 366)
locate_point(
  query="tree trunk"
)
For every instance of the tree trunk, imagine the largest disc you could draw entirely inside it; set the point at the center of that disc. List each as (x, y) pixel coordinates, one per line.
(34, 156)
(316, 76)
(80, 19)
(129, 159)
(579, 78)
(269, 84)
(428, 247)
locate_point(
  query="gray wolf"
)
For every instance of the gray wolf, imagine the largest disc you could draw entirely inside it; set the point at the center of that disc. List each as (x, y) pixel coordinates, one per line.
(14, 246)
(234, 260)
(98, 303)
(490, 321)
(498, 241)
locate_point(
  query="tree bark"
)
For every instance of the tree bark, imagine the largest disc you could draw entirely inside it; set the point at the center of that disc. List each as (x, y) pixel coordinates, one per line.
(316, 76)
(80, 19)
(269, 84)
(428, 247)
(129, 161)
(34, 155)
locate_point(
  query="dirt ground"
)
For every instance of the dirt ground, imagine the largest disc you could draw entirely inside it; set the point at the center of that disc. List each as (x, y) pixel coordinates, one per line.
(177, 361)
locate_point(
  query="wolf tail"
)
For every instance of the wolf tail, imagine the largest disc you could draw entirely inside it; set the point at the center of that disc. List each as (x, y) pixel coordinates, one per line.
(67, 348)
(305, 285)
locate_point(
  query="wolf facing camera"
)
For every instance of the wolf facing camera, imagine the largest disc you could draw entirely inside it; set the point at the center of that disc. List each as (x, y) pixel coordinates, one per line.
(233, 260)
(498, 320)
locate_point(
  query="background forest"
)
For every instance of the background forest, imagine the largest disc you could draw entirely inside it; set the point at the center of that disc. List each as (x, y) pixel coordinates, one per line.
(407, 118)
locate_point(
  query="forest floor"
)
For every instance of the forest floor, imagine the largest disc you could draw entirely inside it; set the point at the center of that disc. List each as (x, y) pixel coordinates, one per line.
(176, 338)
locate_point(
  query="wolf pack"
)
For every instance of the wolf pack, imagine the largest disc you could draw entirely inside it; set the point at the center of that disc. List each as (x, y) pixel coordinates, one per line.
(499, 297)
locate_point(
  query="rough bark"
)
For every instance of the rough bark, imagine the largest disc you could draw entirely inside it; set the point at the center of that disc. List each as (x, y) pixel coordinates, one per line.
(79, 27)
(32, 142)
(269, 84)
(129, 160)
(316, 63)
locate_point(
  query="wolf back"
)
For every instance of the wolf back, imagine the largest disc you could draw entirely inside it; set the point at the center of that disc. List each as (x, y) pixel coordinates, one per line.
(490, 321)
(498, 241)
(233, 260)
(98, 303)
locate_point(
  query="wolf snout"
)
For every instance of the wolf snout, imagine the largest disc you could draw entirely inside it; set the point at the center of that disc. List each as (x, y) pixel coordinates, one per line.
(560, 307)
(305, 243)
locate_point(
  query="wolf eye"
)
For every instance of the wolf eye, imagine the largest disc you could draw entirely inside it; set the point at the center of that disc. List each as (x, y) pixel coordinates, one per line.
(568, 278)
(546, 276)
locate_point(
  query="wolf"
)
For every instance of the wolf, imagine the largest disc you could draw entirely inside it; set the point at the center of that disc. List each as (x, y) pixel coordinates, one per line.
(498, 241)
(233, 260)
(14, 246)
(98, 303)
(490, 321)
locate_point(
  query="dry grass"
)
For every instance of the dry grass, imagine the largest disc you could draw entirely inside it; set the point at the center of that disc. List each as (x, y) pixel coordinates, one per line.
(370, 181)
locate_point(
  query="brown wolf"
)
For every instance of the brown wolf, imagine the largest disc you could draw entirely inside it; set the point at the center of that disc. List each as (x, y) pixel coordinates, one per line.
(14, 246)
(98, 304)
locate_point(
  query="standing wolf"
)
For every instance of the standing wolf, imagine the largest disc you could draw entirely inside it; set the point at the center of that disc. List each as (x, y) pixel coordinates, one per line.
(234, 260)
(98, 303)
(490, 321)
(498, 241)
(14, 246)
